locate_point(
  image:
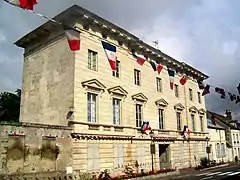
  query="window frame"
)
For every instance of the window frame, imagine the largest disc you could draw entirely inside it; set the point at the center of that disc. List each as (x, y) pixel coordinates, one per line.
(176, 90)
(159, 84)
(114, 99)
(179, 120)
(201, 123)
(138, 121)
(190, 94)
(118, 68)
(161, 118)
(96, 107)
(91, 60)
(137, 77)
(193, 122)
(199, 98)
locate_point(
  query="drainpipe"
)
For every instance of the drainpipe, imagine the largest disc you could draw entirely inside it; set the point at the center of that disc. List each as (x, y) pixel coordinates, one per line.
(189, 148)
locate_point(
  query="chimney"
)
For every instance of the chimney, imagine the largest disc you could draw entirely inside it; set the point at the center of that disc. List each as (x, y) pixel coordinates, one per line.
(228, 114)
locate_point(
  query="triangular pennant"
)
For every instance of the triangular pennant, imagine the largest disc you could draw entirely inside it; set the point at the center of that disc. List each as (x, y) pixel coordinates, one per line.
(183, 80)
(153, 64)
(73, 38)
(140, 60)
(238, 88)
(231, 96)
(238, 100)
(24, 4)
(110, 51)
(159, 68)
(171, 74)
(206, 90)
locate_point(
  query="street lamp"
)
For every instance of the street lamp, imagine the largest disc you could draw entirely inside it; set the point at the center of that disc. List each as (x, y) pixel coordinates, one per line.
(208, 148)
(152, 147)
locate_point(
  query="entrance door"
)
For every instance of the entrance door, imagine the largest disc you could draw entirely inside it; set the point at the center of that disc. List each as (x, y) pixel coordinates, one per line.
(164, 156)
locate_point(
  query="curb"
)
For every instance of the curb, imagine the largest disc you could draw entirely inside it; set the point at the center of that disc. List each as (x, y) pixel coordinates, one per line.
(224, 165)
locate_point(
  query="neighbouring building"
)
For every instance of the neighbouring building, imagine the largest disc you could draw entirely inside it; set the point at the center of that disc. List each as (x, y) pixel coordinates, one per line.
(106, 108)
(217, 143)
(232, 132)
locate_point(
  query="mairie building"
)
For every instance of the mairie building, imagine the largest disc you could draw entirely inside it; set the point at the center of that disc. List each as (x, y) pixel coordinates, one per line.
(106, 108)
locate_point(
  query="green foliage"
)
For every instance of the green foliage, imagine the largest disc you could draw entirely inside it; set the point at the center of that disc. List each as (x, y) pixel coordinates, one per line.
(86, 176)
(204, 162)
(104, 175)
(10, 106)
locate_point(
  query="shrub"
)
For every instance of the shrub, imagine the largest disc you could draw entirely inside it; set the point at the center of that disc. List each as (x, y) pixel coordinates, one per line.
(204, 162)
(86, 176)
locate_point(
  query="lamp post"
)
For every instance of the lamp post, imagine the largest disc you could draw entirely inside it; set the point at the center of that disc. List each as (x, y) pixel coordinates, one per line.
(208, 148)
(152, 147)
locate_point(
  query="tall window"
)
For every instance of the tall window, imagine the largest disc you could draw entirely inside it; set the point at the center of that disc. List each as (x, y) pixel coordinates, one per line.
(91, 107)
(116, 111)
(191, 94)
(217, 150)
(237, 138)
(176, 90)
(159, 84)
(199, 98)
(201, 123)
(179, 126)
(193, 122)
(161, 118)
(92, 60)
(138, 115)
(137, 76)
(93, 157)
(118, 156)
(117, 72)
(222, 150)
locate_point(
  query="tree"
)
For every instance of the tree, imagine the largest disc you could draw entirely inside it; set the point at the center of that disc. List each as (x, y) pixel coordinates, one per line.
(10, 106)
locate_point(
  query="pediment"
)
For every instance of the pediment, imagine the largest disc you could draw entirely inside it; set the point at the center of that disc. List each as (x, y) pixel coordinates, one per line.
(140, 97)
(118, 90)
(161, 102)
(193, 109)
(179, 106)
(202, 111)
(93, 84)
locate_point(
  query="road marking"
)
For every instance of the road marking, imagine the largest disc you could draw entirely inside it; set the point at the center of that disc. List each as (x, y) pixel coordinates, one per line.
(201, 174)
(177, 177)
(224, 173)
(234, 174)
(213, 173)
(207, 178)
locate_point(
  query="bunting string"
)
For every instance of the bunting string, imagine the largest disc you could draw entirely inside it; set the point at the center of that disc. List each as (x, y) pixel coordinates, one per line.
(73, 37)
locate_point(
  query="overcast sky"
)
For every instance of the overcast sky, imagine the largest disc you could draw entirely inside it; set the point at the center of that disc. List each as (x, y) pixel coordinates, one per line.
(203, 33)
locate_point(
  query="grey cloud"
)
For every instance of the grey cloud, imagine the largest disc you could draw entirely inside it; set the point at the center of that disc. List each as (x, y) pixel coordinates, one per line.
(198, 32)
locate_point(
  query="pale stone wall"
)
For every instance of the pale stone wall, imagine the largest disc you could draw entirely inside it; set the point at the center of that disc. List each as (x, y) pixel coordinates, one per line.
(22, 148)
(47, 86)
(235, 142)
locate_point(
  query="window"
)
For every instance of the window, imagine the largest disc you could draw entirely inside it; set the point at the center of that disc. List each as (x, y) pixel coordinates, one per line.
(199, 98)
(181, 151)
(234, 138)
(137, 77)
(217, 150)
(118, 156)
(159, 84)
(195, 151)
(237, 138)
(116, 111)
(141, 154)
(201, 123)
(179, 128)
(176, 90)
(92, 60)
(138, 115)
(91, 107)
(191, 94)
(222, 150)
(117, 72)
(161, 118)
(93, 157)
(193, 123)
(204, 149)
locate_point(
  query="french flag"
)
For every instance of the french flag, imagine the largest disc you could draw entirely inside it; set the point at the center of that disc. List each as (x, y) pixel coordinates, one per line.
(73, 37)
(185, 129)
(24, 4)
(145, 127)
(110, 51)
(171, 74)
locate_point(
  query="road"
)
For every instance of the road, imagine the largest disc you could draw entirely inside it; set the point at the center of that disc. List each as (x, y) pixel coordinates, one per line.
(225, 173)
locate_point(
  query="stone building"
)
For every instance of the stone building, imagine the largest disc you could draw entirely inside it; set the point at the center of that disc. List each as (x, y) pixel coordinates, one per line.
(106, 108)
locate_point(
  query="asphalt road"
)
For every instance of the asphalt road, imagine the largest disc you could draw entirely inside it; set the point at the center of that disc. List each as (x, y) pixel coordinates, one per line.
(225, 173)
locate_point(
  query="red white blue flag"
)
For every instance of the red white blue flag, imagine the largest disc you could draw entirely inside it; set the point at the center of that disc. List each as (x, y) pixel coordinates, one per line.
(171, 74)
(110, 51)
(145, 127)
(73, 37)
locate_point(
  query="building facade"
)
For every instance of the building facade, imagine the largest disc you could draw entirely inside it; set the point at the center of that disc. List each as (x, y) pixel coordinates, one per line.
(217, 143)
(106, 108)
